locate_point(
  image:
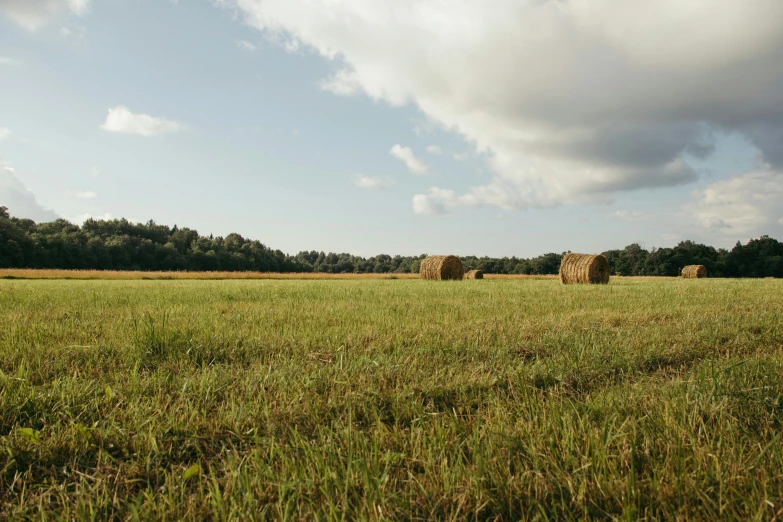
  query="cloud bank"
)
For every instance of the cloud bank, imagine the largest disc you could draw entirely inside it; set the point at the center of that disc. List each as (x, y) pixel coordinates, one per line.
(743, 205)
(571, 100)
(20, 201)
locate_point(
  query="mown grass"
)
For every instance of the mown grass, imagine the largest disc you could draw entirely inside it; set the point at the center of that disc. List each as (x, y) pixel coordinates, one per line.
(38, 273)
(379, 400)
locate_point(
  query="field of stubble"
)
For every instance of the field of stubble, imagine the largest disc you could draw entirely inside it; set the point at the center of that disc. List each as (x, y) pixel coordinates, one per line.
(391, 399)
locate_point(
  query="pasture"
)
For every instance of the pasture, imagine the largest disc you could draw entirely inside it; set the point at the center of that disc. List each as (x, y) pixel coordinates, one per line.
(373, 399)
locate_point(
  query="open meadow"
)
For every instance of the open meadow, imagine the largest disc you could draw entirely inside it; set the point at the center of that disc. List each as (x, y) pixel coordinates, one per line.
(500, 399)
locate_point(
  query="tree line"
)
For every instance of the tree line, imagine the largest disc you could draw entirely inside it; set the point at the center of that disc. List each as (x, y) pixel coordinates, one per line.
(119, 244)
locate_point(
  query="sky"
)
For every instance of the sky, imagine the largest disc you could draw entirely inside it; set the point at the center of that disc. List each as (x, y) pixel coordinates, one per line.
(500, 128)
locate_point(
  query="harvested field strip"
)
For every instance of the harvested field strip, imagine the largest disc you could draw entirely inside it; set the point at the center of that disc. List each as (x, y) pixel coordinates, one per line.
(13, 273)
(24, 273)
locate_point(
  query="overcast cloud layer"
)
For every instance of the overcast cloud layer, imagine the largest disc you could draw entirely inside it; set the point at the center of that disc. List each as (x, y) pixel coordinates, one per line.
(504, 104)
(572, 100)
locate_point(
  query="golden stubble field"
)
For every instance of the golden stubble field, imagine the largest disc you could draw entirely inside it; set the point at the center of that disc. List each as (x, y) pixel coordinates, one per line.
(24, 273)
(391, 399)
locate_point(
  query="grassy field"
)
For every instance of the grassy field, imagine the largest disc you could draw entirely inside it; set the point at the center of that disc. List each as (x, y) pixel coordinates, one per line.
(381, 399)
(25, 273)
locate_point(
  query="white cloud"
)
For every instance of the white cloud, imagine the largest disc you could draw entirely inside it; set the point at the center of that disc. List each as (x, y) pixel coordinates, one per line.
(612, 107)
(120, 119)
(434, 150)
(86, 194)
(5, 133)
(94, 172)
(33, 14)
(342, 83)
(372, 183)
(4, 60)
(406, 155)
(79, 219)
(244, 44)
(21, 202)
(441, 201)
(741, 206)
(423, 205)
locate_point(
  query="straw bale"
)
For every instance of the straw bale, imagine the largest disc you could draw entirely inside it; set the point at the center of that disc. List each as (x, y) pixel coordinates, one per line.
(694, 272)
(441, 267)
(474, 274)
(584, 268)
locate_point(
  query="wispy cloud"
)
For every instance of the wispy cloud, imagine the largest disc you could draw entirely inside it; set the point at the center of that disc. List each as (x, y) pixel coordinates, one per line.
(406, 155)
(342, 83)
(441, 201)
(121, 120)
(434, 150)
(86, 194)
(630, 216)
(244, 44)
(5, 60)
(4, 133)
(77, 33)
(372, 183)
(33, 14)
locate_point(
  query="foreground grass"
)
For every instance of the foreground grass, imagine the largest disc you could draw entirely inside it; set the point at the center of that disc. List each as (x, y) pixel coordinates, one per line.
(382, 399)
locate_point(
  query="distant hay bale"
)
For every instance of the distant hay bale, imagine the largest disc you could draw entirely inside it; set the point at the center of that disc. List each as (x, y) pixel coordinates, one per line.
(584, 268)
(474, 274)
(439, 268)
(694, 272)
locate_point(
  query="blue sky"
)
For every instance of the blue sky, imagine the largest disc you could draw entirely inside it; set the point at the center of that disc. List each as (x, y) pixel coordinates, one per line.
(499, 128)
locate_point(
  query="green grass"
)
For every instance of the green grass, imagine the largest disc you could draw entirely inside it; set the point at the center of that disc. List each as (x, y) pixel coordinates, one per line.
(377, 400)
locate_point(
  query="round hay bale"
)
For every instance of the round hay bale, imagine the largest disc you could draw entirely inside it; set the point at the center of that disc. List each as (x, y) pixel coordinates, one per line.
(584, 268)
(438, 268)
(474, 274)
(694, 272)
